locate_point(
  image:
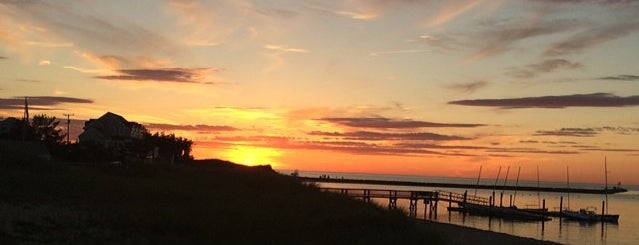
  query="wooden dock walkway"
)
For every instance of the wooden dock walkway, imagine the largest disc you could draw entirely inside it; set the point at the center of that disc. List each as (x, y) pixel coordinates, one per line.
(429, 198)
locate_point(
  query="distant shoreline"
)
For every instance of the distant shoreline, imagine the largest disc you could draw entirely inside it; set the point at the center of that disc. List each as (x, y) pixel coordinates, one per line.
(464, 186)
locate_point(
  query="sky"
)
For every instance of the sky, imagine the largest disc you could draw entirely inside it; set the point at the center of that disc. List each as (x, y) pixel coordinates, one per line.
(432, 88)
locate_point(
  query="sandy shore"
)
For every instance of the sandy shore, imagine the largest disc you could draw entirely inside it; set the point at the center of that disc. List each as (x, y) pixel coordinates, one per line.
(455, 234)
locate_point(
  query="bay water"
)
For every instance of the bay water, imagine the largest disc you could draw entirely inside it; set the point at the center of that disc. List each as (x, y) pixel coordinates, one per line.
(626, 204)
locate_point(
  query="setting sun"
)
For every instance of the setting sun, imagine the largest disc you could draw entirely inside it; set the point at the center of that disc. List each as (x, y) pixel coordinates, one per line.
(251, 156)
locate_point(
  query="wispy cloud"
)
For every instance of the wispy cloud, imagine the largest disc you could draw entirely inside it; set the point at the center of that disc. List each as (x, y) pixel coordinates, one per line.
(439, 41)
(182, 127)
(3, 57)
(367, 135)
(561, 101)
(502, 36)
(571, 132)
(28, 80)
(468, 87)
(87, 29)
(591, 37)
(451, 10)
(177, 75)
(621, 78)
(546, 66)
(281, 48)
(585, 132)
(40, 102)
(532, 151)
(398, 52)
(387, 123)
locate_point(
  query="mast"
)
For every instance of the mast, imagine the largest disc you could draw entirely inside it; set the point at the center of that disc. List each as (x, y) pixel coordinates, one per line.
(479, 176)
(505, 179)
(495, 185)
(538, 195)
(568, 183)
(516, 185)
(606, 179)
(496, 179)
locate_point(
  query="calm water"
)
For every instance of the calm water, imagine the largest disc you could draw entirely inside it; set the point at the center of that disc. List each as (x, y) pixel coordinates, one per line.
(557, 230)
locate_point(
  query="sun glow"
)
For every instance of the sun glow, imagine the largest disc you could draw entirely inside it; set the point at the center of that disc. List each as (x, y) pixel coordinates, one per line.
(251, 155)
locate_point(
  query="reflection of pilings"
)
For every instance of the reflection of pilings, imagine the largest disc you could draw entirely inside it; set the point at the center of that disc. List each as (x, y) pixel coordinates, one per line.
(412, 208)
(433, 209)
(392, 200)
(367, 195)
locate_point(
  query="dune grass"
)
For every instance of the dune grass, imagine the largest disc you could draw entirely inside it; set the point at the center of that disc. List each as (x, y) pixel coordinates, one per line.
(208, 202)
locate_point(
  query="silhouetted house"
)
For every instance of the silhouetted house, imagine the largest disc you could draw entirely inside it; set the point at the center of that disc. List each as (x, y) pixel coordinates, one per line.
(115, 134)
(10, 126)
(110, 129)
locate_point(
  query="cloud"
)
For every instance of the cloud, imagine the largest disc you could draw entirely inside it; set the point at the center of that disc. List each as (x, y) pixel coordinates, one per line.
(80, 26)
(387, 123)
(591, 37)
(595, 148)
(561, 101)
(468, 87)
(451, 10)
(621, 78)
(44, 62)
(198, 127)
(40, 102)
(281, 48)
(532, 151)
(398, 52)
(499, 37)
(3, 57)
(440, 41)
(545, 66)
(367, 135)
(28, 80)
(177, 75)
(434, 146)
(572, 132)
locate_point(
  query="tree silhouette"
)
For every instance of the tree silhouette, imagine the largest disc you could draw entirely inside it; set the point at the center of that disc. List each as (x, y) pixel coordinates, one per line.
(45, 129)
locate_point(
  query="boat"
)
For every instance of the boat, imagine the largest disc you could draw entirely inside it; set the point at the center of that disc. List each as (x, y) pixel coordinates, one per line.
(589, 216)
(508, 213)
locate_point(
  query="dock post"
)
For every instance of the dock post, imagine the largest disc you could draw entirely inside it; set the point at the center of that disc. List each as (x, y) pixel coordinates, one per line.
(367, 195)
(493, 198)
(450, 200)
(511, 200)
(561, 204)
(465, 198)
(543, 204)
(603, 208)
(490, 201)
(412, 208)
(501, 199)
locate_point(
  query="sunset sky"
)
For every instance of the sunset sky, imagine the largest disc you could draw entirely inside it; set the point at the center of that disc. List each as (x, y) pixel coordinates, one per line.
(427, 87)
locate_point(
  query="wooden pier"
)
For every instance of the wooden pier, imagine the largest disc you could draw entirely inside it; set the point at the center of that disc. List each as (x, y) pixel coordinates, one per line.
(429, 198)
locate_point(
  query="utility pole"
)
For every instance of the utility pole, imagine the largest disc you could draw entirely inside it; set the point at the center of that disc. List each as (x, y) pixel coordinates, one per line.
(68, 127)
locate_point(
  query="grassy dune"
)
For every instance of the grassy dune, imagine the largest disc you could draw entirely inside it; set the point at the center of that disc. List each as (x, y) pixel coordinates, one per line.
(209, 202)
